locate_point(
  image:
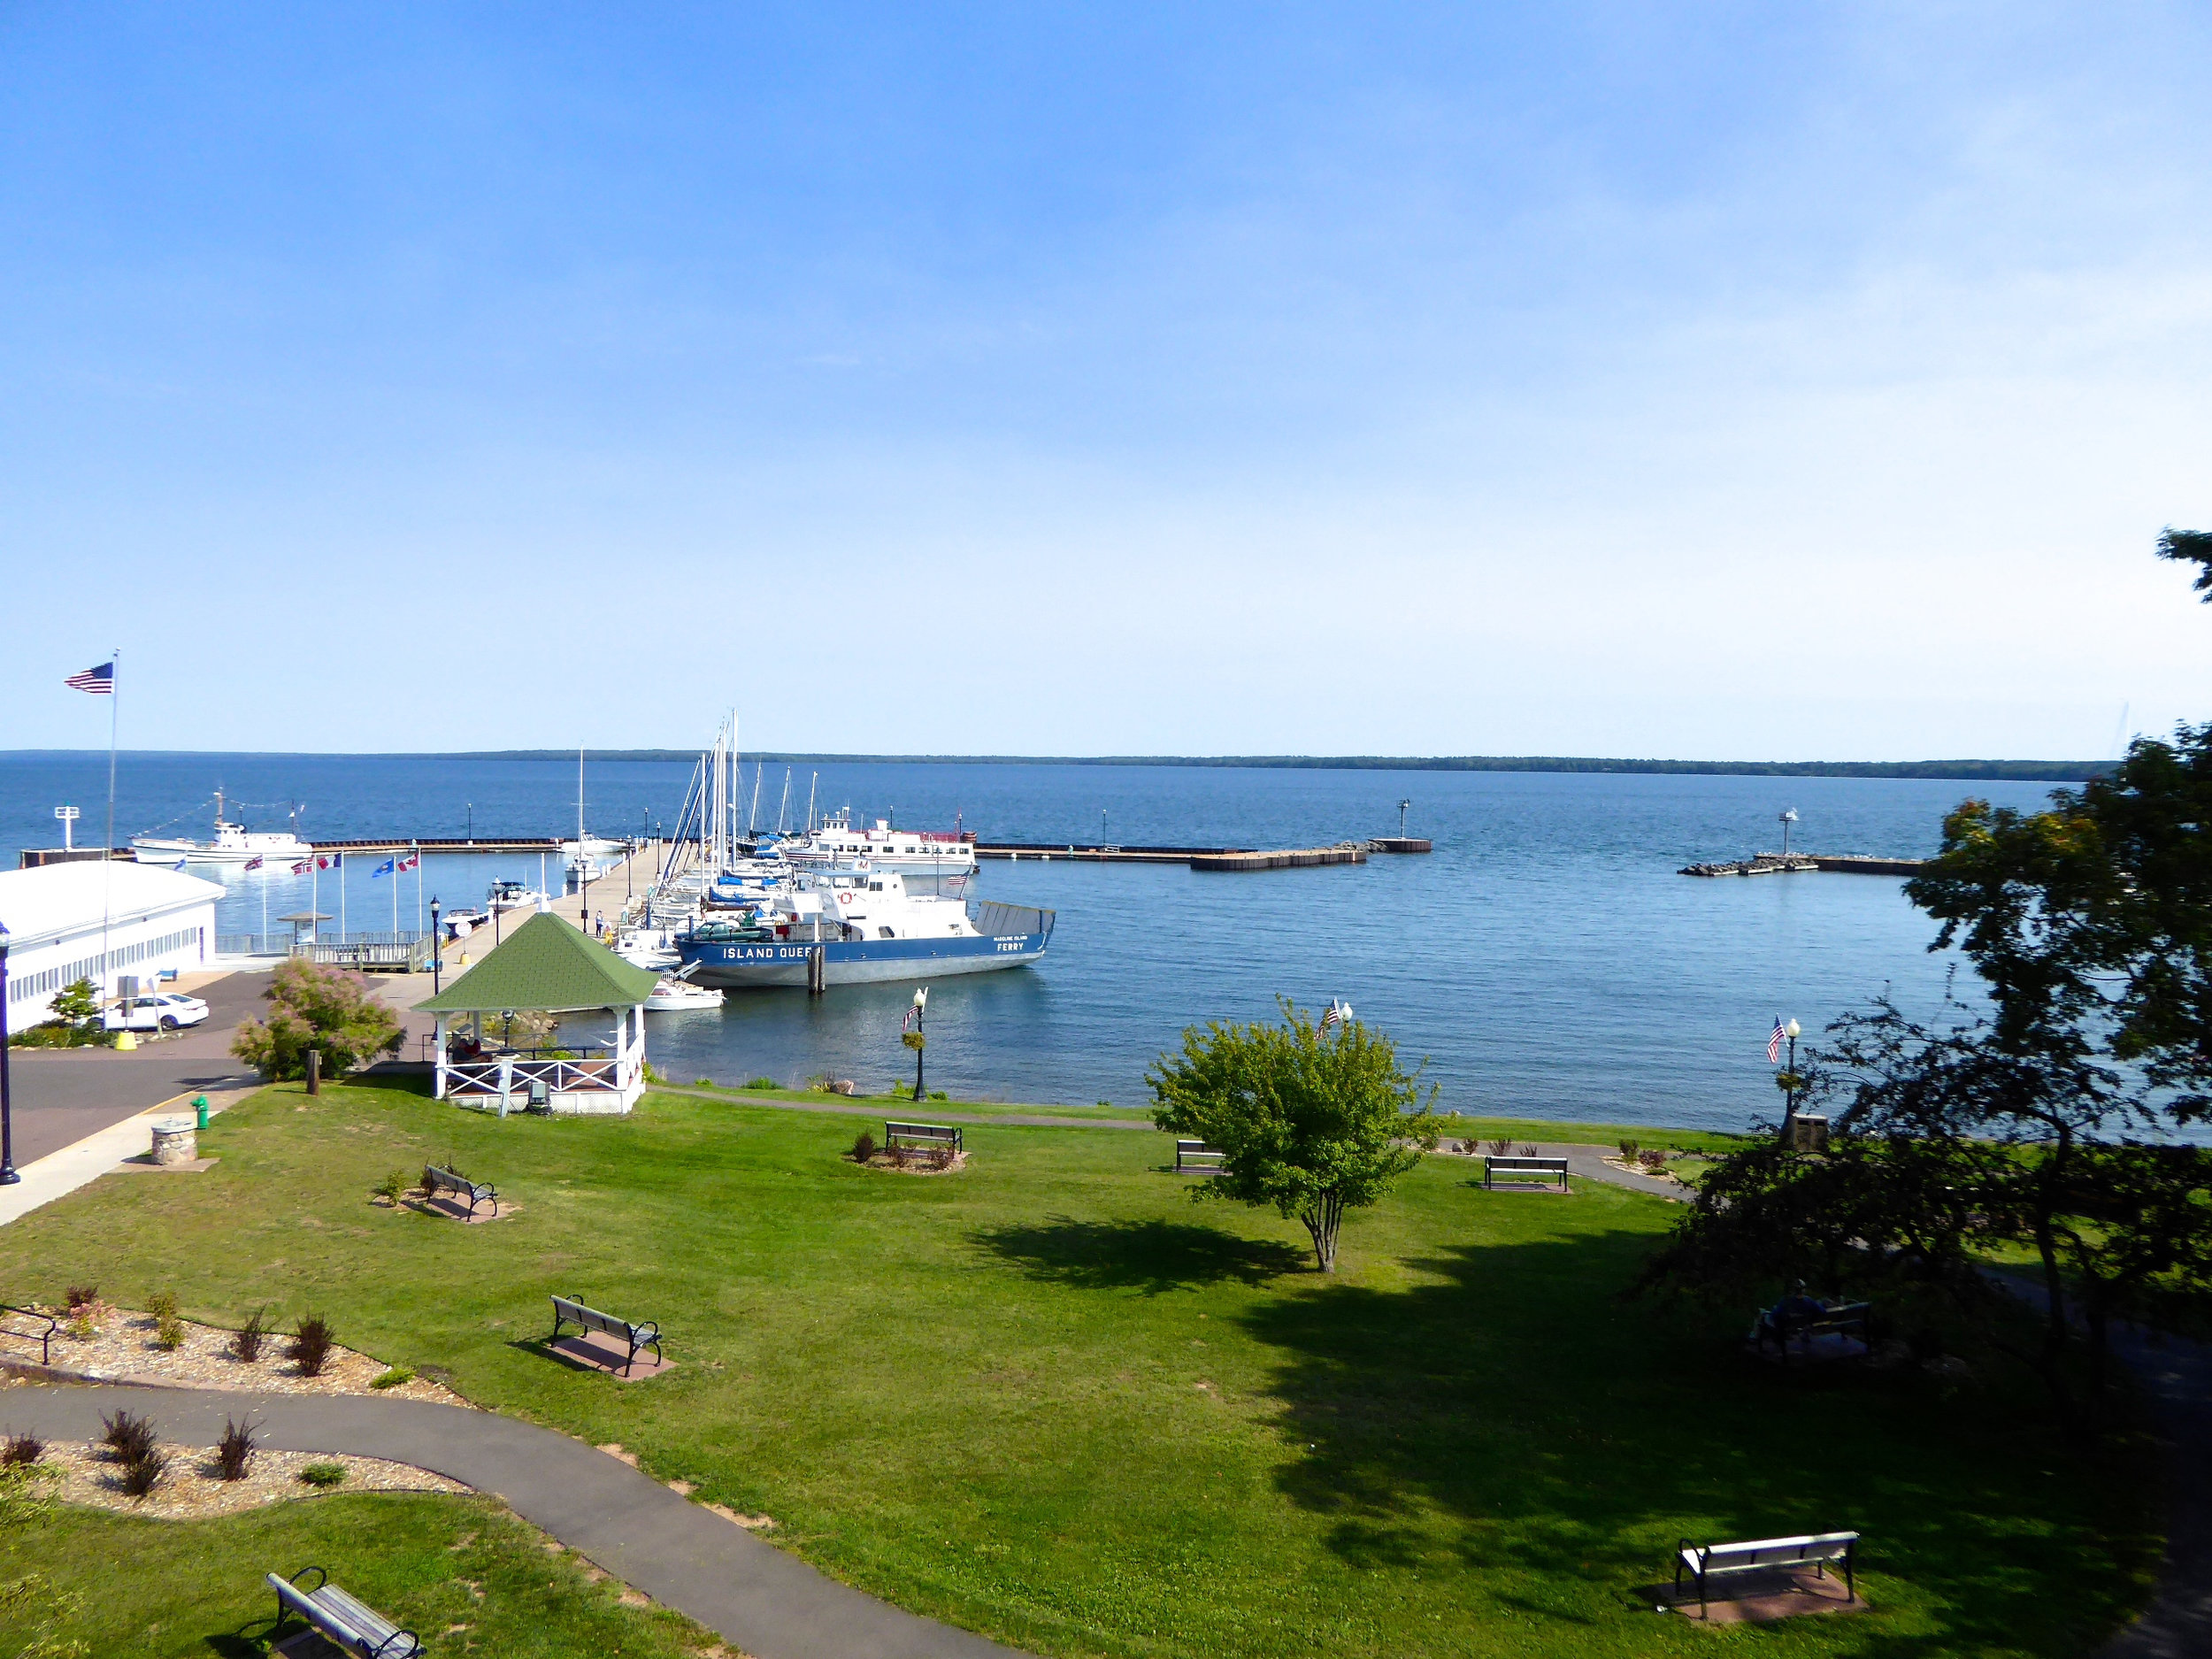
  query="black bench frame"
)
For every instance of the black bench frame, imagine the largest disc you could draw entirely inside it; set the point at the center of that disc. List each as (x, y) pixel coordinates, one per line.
(569, 1310)
(293, 1597)
(1765, 1554)
(1850, 1319)
(453, 1182)
(921, 1134)
(1497, 1164)
(44, 1338)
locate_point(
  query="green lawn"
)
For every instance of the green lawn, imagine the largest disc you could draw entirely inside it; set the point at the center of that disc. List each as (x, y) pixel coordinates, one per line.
(466, 1574)
(1051, 1399)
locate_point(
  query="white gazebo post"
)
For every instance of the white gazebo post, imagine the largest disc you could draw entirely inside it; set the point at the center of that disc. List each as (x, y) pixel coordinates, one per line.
(437, 1090)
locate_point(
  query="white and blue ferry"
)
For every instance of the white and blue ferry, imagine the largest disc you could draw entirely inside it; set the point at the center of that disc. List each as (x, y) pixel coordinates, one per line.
(855, 926)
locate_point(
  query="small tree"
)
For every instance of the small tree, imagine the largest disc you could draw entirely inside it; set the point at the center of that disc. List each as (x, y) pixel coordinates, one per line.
(312, 1007)
(76, 1004)
(1314, 1125)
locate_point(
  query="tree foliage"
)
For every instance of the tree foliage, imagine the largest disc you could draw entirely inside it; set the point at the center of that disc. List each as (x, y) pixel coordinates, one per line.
(2186, 547)
(2036, 1122)
(1311, 1124)
(316, 1007)
(76, 1004)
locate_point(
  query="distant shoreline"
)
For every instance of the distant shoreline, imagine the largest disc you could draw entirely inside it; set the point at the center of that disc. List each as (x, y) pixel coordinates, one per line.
(1951, 770)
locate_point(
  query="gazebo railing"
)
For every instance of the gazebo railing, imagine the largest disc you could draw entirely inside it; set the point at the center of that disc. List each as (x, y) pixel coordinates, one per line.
(474, 1078)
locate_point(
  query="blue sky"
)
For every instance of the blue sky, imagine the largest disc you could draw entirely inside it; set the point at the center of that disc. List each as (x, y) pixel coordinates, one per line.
(1744, 381)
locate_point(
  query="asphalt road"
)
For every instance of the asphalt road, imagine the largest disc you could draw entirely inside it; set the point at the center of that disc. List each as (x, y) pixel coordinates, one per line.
(60, 1095)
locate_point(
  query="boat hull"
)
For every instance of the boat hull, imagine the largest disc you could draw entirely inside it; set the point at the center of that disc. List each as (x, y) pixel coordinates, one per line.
(858, 962)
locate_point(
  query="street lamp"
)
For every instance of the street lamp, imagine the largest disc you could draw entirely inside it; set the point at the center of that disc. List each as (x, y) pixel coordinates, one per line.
(472, 806)
(1790, 1082)
(8, 1177)
(1404, 808)
(437, 950)
(1789, 816)
(913, 1037)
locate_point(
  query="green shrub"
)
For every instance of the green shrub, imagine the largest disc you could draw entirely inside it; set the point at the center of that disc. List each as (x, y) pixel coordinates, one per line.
(310, 1345)
(162, 1304)
(863, 1146)
(169, 1333)
(315, 1007)
(392, 1186)
(763, 1082)
(324, 1475)
(245, 1342)
(393, 1378)
(703, 1082)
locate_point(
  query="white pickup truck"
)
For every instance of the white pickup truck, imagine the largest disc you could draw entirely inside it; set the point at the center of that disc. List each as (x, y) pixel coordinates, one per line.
(162, 1010)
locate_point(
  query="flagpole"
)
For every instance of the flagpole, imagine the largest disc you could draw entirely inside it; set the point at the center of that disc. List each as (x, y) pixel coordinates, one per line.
(342, 901)
(107, 854)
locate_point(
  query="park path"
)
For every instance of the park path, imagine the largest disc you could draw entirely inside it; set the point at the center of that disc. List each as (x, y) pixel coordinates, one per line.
(2176, 1376)
(763, 1601)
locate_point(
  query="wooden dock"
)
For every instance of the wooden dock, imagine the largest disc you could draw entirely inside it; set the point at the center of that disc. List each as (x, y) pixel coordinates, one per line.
(1296, 858)
(1196, 857)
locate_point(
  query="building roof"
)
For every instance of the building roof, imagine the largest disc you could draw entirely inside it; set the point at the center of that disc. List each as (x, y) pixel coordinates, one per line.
(546, 965)
(37, 905)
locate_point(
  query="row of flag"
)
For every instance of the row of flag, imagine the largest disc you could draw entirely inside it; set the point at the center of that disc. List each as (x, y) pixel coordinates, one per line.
(336, 861)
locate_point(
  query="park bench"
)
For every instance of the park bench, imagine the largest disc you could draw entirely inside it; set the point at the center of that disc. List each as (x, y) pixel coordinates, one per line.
(1847, 1319)
(352, 1625)
(30, 1325)
(921, 1135)
(1196, 1157)
(450, 1181)
(1494, 1164)
(567, 1310)
(1704, 1561)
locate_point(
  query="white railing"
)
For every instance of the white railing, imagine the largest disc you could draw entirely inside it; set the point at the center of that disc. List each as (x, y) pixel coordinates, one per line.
(484, 1077)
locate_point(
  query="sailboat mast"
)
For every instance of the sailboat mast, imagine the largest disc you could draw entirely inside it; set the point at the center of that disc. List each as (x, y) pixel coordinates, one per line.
(784, 805)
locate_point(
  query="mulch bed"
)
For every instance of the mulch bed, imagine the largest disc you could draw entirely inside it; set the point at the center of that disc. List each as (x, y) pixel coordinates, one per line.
(191, 1490)
(121, 1348)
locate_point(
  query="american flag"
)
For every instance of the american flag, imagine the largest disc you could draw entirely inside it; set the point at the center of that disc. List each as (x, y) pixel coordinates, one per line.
(1339, 1014)
(99, 682)
(1774, 1043)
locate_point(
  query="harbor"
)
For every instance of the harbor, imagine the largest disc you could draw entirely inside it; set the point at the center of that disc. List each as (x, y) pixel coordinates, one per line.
(1795, 864)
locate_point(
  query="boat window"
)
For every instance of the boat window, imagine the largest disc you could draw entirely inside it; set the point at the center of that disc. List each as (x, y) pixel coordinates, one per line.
(885, 933)
(875, 887)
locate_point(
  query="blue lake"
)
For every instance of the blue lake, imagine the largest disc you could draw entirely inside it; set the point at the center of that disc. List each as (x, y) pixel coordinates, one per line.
(1545, 961)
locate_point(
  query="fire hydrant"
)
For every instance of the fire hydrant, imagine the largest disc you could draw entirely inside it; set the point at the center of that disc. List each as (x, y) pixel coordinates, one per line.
(199, 1106)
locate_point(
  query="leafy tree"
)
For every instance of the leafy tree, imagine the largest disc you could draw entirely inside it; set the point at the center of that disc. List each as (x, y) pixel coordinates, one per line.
(2186, 547)
(2089, 924)
(315, 1007)
(76, 1004)
(32, 1603)
(1312, 1123)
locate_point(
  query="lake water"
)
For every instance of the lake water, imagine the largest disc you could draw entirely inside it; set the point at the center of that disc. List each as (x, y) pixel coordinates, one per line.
(1545, 961)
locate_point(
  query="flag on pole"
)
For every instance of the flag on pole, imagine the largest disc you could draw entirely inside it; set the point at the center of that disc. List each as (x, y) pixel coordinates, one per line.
(1774, 1043)
(1339, 1014)
(253, 864)
(99, 682)
(303, 866)
(325, 863)
(410, 862)
(384, 869)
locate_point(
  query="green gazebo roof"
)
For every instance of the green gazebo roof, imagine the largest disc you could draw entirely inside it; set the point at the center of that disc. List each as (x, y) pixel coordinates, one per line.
(548, 966)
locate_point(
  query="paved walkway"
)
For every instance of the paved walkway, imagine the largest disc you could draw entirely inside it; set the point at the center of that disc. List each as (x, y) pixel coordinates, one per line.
(2178, 1377)
(767, 1603)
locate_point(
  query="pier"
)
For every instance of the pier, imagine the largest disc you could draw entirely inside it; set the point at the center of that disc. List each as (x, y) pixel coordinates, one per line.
(1788, 863)
(1201, 857)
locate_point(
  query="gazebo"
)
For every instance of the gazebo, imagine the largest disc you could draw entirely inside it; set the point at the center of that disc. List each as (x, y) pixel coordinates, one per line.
(547, 966)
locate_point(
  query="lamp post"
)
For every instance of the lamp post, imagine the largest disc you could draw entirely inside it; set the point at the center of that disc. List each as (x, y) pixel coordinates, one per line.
(913, 1039)
(471, 807)
(8, 1177)
(68, 815)
(1404, 808)
(1789, 816)
(437, 950)
(1790, 1082)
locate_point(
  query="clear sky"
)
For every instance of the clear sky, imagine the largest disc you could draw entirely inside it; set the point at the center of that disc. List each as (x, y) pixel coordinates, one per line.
(1745, 381)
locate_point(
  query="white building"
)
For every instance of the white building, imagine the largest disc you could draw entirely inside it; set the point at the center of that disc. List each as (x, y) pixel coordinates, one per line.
(100, 921)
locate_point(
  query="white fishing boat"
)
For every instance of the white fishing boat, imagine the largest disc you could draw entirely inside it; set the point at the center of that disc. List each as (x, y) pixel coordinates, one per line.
(650, 948)
(233, 844)
(678, 996)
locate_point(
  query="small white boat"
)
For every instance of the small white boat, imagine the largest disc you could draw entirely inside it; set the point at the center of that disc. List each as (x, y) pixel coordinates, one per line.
(649, 948)
(513, 896)
(676, 996)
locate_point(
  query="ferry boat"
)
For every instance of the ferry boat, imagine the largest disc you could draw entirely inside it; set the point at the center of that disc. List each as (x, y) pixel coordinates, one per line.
(233, 844)
(929, 861)
(859, 926)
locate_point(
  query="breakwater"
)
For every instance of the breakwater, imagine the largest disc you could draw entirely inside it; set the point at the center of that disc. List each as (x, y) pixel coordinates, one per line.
(1218, 858)
(1787, 864)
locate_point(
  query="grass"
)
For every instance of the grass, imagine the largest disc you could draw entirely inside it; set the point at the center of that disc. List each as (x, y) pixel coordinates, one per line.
(1052, 1400)
(461, 1572)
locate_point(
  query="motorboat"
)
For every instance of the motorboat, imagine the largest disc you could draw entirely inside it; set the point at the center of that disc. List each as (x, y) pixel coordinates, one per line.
(650, 948)
(233, 844)
(672, 995)
(513, 896)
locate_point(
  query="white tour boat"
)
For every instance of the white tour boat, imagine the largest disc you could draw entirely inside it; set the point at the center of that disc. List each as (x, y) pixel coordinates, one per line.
(677, 996)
